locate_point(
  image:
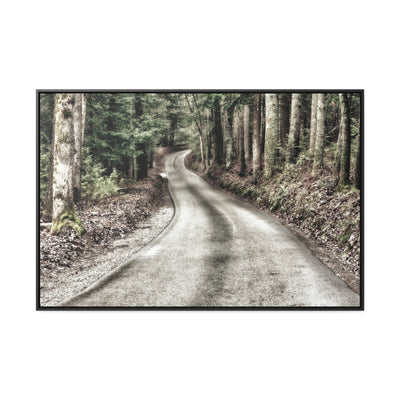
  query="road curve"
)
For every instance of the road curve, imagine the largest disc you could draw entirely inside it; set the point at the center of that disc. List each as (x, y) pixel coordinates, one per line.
(218, 252)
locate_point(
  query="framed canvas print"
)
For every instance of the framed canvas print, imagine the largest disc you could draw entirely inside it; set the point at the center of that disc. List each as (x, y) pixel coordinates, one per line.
(200, 199)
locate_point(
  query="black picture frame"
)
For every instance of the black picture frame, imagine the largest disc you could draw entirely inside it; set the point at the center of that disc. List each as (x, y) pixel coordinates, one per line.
(238, 308)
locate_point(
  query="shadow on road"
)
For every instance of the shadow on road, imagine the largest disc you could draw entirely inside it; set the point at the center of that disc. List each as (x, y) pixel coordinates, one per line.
(217, 259)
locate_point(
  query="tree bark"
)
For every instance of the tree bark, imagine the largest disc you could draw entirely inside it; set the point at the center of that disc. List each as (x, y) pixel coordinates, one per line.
(172, 127)
(357, 170)
(48, 205)
(78, 128)
(294, 132)
(217, 128)
(320, 133)
(229, 156)
(130, 168)
(201, 133)
(238, 133)
(197, 119)
(209, 135)
(141, 161)
(313, 125)
(84, 106)
(64, 214)
(271, 133)
(338, 153)
(246, 133)
(256, 134)
(262, 125)
(344, 173)
(284, 121)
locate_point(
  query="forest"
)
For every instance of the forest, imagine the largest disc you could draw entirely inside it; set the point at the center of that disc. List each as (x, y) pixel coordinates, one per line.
(297, 154)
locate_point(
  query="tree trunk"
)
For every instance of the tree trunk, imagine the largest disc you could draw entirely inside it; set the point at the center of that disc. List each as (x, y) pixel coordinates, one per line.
(172, 127)
(240, 132)
(320, 133)
(229, 138)
(262, 125)
(284, 122)
(357, 170)
(130, 168)
(338, 153)
(208, 134)
(141, 161)
(78, 128)
(48, 205)
(256, 134)
(239, 135)
(203, 160)
(344, 173)
(150, 146)
(198, 122)
(294, 132)
(246, 133)
(217, 128)
(84, 106)
(64, 214)
(313, 125)
(271, 133)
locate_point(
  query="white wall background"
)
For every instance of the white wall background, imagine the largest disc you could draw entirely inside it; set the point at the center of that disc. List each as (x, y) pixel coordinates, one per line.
(185, 45)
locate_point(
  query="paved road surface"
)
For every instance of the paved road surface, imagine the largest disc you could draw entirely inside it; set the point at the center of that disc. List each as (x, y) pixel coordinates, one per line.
(218, 251)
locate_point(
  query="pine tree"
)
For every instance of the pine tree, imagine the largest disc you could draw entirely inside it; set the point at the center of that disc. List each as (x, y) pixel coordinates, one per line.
(246, 134)
(313, 125)
(294, 132)
(66, 110)
(79, 110)
(271, 133)
(357, 169)
(256, 134)
(344, 173)
(320, 133)
(217, 130)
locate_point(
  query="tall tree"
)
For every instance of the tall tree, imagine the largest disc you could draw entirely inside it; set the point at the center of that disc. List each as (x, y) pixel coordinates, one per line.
(284, 121)
(357, 169)
(238, 129)
(140, 152)
(209, 132)
(198, 120)
(262, 125)
(246, 134)
(217, 130)
(320, 133)
(230, 145)
(293, 146)
(313, 125)
(64, 215)
(271, 133)
(232, 100)
(344, 173)
(79, 109)
(48, 203)
(256, 134)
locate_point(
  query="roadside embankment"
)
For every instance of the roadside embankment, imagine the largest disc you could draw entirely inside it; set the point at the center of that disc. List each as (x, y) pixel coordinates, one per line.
(328, 221)
(117, 227)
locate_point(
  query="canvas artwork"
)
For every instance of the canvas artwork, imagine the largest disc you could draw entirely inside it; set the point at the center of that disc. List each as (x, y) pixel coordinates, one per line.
(200, 199)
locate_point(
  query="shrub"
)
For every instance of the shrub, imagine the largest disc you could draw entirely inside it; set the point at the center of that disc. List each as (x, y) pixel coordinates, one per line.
(95, 185)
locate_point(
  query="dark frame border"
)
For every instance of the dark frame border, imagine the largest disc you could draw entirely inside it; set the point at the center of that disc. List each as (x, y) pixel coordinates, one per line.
(153, 308)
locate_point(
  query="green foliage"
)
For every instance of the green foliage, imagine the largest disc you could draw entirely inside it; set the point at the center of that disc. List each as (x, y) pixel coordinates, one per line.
(96, 185)
(69, 220)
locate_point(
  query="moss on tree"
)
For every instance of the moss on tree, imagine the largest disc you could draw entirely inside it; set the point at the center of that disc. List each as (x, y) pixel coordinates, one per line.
(68, 220)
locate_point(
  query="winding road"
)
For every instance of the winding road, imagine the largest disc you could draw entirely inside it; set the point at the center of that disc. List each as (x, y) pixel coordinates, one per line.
(218, 252)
